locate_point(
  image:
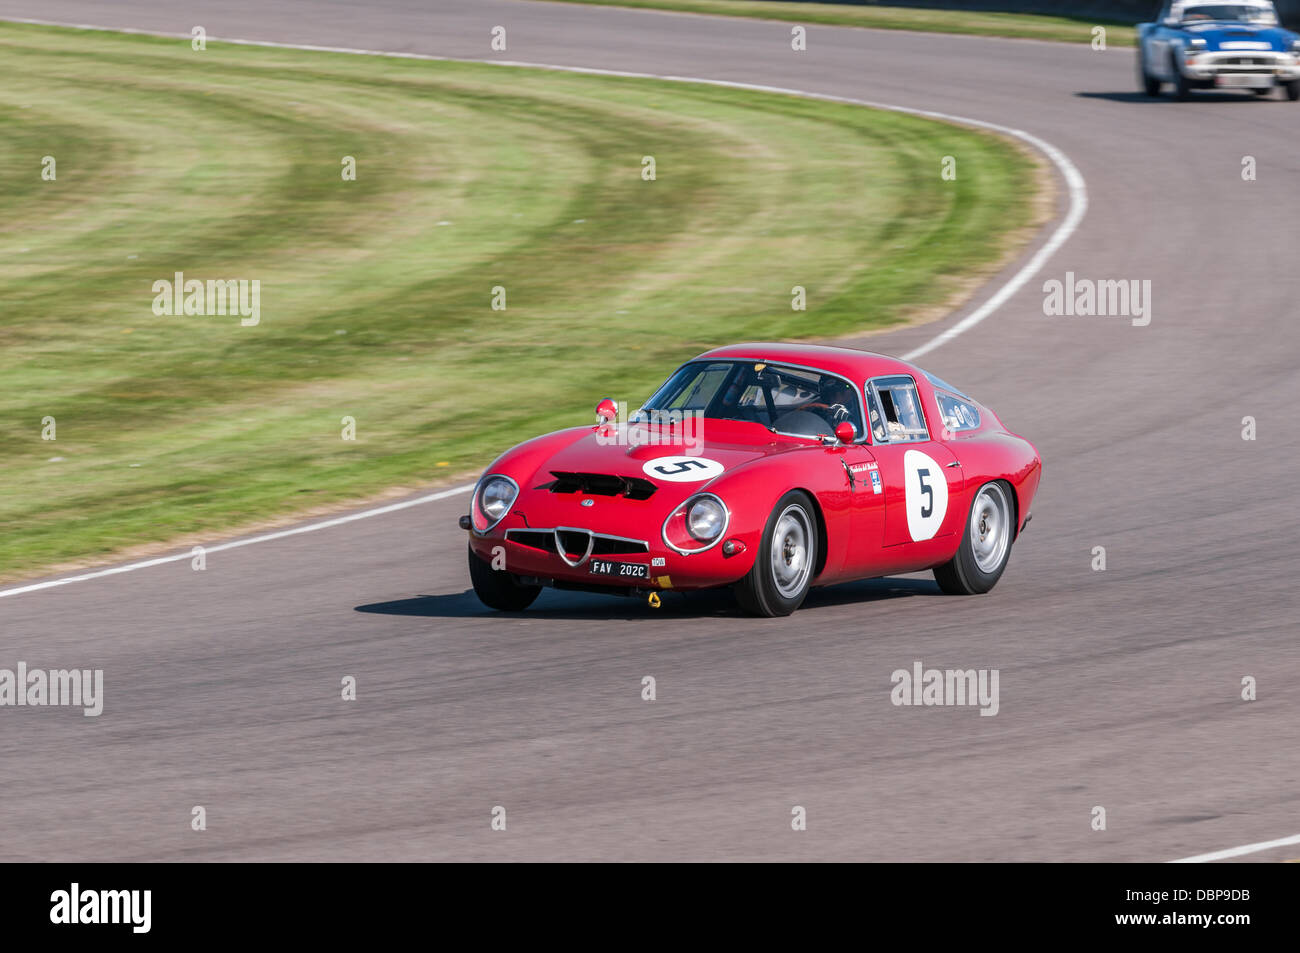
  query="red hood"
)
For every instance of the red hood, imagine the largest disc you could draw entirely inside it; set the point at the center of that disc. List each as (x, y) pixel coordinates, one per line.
(624, 450)
(730, 444)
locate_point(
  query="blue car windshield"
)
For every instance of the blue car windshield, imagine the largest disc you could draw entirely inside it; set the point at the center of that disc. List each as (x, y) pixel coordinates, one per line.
(1228, 12)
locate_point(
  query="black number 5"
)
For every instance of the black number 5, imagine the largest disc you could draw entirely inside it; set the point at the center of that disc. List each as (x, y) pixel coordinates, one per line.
(928, 508)
(681, 467)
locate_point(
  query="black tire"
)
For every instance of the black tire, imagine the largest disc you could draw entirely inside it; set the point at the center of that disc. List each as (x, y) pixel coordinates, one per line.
(1148, 83)
(776, 586)
(1182, 88)
(498, 589)
(976, 568)
(1292, 89)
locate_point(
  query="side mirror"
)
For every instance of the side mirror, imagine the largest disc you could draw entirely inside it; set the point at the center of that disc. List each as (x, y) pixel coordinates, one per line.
(845, 432)
(606, 411)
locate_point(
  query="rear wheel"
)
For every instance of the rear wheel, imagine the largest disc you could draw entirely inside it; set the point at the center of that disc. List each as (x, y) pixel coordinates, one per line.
(783, 569)
(985, 546)
(498, 589)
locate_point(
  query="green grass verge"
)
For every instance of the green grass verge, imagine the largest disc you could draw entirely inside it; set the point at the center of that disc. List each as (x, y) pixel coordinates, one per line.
(376, 293)
(883, 17)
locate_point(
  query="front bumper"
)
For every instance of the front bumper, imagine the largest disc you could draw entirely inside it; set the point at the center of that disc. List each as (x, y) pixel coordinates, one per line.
(1244, 69)
(576, 557)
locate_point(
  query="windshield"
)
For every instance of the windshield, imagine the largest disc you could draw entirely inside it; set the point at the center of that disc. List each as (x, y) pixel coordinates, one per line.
(1232, 12)
(786, 400)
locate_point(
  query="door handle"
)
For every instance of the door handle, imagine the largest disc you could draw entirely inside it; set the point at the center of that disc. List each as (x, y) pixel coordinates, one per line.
(955, 463)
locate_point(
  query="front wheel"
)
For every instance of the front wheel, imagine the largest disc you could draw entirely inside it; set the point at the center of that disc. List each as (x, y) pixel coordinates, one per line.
(985, 545)
(1150, 85)
(1182, 88)
(783, 569)
(1292, 89)
(498, 589)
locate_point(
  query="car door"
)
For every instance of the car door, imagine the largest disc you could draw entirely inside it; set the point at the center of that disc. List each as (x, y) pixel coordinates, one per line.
(856, 552)
(922, 479)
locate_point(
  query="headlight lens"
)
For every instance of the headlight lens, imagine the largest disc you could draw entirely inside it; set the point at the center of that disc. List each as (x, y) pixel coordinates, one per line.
(1196, 44)
(493, 500)
(697, 524)
(705, 519)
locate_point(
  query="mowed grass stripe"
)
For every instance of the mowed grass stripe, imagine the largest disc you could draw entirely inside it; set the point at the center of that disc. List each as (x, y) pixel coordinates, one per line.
(376, 293)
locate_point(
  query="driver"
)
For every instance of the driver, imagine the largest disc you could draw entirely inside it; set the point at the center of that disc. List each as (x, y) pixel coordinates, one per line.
(833, 402)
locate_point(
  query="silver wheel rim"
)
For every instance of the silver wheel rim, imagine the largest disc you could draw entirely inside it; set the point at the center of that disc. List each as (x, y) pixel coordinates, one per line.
(791, 558)
(990, 527)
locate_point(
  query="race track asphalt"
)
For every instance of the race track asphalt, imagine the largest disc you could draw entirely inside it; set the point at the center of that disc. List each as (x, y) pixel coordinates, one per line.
(1119, 688)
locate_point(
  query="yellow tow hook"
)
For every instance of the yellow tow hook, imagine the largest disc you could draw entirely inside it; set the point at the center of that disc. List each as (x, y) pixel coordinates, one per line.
(654, 600)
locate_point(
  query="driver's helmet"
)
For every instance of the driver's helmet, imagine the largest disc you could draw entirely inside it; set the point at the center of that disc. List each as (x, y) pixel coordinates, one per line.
(834, 391)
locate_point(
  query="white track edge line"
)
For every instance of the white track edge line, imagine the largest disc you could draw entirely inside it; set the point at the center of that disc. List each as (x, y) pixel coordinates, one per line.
(1238, 851)
(236, 544)
(1073, 179)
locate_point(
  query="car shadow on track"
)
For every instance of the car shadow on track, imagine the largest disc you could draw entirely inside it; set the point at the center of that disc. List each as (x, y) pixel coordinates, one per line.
(557, 604)
(1204, 96)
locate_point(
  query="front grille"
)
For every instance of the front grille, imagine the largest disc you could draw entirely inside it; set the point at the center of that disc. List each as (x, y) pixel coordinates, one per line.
(533, 539)
(575, 542)
(1258, 59)
(600, 484)
(612, 546)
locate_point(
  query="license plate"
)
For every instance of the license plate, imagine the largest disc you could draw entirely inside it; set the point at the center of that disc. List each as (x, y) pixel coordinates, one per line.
(603, 567)
(1247, 80)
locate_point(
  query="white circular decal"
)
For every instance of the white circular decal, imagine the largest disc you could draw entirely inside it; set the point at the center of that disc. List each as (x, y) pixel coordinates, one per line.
(927, 495)
(682, 469)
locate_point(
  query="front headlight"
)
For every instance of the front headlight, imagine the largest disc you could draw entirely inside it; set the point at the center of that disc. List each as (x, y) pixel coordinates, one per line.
(492, 501)
(1196, 44)
(705, 519)
(697, 524)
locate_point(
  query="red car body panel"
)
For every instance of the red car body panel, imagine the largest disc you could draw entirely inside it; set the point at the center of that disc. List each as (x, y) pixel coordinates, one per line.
(862, 533)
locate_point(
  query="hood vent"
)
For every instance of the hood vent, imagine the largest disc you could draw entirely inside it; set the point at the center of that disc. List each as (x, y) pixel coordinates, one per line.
(600, 484)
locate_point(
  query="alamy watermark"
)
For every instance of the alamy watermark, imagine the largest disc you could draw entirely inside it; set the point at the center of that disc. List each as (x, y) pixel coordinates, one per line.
(192, 296)
(932, 686)
(654, 428)
(40, 687)
(1108, 297)
(77, 905)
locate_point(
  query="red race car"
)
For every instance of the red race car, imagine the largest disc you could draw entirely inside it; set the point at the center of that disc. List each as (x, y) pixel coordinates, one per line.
(750, 467)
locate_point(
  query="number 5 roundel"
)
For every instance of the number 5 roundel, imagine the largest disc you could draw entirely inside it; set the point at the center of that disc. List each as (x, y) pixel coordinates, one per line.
(927, 495)
(682, 469)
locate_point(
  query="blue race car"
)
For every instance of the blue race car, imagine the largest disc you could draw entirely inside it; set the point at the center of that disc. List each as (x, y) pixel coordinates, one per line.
(1236, 45)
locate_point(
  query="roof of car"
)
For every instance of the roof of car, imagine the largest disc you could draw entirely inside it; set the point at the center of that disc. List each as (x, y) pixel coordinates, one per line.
(846, 361)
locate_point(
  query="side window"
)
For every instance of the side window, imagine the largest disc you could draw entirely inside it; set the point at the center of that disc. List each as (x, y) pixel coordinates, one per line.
(957, 414)
(876, 419)
(895, 411)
